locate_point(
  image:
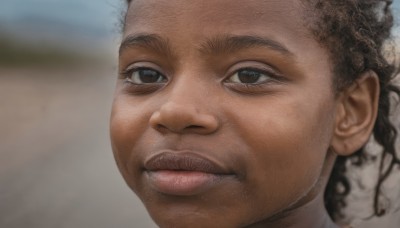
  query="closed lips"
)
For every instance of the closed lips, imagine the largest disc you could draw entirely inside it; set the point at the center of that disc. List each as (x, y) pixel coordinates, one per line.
(182, 173)
(184, 161)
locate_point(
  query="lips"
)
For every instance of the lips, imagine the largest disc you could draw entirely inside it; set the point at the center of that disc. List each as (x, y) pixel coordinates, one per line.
(183, 173)
(183, 161)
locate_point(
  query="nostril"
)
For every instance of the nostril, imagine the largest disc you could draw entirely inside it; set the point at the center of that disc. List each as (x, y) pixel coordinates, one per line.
(161, 128)
(191, 128)
(194, 127)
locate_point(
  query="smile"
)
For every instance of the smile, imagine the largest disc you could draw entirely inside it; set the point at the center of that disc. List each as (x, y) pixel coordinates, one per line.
(183, 173)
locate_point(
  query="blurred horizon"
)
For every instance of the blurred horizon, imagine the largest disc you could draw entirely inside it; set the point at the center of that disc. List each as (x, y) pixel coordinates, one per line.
(97, 19)
(58, 30)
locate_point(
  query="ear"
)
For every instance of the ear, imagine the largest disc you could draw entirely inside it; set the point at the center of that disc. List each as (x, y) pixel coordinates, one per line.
(356, 113)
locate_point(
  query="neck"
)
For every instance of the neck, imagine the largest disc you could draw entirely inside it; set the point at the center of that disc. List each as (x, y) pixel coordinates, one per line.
(311, 214)
(309, 211)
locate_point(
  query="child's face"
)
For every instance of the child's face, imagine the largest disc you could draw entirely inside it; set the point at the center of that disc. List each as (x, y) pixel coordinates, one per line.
(227, 112)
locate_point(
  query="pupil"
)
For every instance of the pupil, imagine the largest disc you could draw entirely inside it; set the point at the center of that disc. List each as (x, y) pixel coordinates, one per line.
(148, 76)
(247, 76)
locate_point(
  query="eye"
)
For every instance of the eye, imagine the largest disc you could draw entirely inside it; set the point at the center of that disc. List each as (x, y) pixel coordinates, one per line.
(144, 76)
(249, 76)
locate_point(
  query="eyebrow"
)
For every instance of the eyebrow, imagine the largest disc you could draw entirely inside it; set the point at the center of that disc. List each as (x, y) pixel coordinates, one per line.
(216, 45)
(228, 44)
(149, 41)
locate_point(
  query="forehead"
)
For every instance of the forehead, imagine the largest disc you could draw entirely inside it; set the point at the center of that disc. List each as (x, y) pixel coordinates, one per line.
(223, 15)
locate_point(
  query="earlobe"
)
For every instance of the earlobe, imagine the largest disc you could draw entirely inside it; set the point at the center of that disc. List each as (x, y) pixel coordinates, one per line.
(356, 113)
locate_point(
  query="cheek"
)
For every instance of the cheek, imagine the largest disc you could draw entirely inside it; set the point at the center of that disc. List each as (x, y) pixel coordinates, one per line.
(127, 124)
(287, 143)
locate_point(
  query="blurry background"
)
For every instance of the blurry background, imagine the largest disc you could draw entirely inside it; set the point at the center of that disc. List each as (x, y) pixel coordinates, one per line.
(57, 73)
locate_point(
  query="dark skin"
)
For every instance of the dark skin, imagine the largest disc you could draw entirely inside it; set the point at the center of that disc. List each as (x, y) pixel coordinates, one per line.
(225, 114)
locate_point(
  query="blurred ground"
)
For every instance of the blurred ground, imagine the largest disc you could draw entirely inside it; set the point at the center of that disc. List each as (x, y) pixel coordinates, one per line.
(56, 165)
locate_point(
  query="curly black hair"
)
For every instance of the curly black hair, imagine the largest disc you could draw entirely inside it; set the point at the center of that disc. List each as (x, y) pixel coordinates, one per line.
(356, 32)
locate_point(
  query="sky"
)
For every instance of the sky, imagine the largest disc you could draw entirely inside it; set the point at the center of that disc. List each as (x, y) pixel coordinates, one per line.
(97, 13)
(96, 19)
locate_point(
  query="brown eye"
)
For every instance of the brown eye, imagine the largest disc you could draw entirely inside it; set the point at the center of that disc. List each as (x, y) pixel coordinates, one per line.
(145, 76)
(249, 76)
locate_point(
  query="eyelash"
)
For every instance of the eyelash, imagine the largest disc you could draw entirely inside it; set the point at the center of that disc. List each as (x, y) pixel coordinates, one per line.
(128, 72)
(273, 78)
(136, 88)
(251, 88)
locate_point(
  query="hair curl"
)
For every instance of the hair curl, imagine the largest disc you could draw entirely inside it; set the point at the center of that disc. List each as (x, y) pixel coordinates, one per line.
(355, 32)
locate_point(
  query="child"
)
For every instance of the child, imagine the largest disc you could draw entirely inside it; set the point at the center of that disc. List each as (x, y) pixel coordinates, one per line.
(232, 113)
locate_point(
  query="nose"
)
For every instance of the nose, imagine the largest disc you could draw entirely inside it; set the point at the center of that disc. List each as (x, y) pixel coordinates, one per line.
(183, 117)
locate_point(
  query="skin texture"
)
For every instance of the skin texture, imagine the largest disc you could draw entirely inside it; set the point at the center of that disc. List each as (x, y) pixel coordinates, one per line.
(272, 139)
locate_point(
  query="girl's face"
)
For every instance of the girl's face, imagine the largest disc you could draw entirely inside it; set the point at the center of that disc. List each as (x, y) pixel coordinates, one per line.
(223, 112)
